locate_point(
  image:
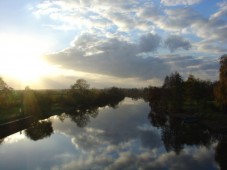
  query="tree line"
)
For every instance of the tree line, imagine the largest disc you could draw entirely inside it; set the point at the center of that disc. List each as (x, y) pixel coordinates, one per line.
(193, 94)
(175, 95)
(19, 103)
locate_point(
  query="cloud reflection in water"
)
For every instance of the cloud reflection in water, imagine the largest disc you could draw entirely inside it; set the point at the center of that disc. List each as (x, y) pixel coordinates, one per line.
(124, 139)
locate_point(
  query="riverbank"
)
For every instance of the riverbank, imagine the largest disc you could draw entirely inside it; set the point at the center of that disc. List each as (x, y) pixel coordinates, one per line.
(16, 125)
(214, 122)
(11, 114)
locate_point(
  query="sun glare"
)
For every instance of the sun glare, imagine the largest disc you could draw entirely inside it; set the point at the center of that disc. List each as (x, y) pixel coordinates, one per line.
(21, 59)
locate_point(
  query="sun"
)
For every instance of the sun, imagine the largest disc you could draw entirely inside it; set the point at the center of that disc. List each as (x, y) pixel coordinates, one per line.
(20, 58)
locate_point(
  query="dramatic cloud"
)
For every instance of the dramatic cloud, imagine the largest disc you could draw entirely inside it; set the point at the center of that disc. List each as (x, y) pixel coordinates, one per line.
(112, 56)
(128, 40)
(175, 42)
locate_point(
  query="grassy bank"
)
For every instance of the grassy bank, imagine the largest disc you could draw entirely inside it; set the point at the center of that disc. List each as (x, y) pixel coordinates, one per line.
(11, 114)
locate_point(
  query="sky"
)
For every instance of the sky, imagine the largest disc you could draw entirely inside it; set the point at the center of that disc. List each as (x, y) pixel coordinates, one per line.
(134, 43)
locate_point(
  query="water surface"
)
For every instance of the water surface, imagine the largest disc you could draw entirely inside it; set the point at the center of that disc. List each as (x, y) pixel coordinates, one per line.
(120, 138)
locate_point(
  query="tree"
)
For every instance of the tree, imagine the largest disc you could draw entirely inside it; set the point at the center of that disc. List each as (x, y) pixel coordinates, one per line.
(6, 95)
(198, 91)
(221, 88)
(80, 94)
(30, 103)
(80, 84)
(166, 83)
(174, 84)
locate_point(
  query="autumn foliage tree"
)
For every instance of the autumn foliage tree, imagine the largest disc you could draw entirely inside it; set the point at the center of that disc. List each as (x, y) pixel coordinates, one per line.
(221, 87)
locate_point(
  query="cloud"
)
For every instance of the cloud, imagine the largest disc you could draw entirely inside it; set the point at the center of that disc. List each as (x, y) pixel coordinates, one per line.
(211, 32)
(118, 61)
(149, 43)
(149, 10)
(221, 13)
(177, 19)
(112, 57)
(132, 18)
(202, 67)
(217, 48)
(116, 39)
(179, 2)
(97, 14)
(175, 42)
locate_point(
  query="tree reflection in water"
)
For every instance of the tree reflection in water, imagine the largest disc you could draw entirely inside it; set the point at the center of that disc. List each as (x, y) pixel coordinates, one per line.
(82, 116)
(39, 130)
(176, 134)
(221, 154)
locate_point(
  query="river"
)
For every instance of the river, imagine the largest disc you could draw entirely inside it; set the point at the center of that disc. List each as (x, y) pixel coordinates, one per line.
(125, 137)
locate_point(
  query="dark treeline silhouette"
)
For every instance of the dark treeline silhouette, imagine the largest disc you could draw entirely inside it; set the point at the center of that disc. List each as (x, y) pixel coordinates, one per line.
(192, 95)
(19, 103)
(177, 95)
(79, 103)
(81, 96)
(135, 93)
(221, 87)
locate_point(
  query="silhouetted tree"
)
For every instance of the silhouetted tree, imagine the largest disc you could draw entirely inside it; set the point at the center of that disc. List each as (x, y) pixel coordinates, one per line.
(174, 83)
(221, 88)
(80, 84)
(6, 95)
(159, 99)
(166, 83)
(198, 91)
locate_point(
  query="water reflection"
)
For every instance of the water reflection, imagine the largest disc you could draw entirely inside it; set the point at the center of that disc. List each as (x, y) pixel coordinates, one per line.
(80, 116)
(176, 134)
(221, 154)
(39, 130)
(123, 138)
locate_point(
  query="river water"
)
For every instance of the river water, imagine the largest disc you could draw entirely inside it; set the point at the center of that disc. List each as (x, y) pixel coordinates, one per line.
(109, 138)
